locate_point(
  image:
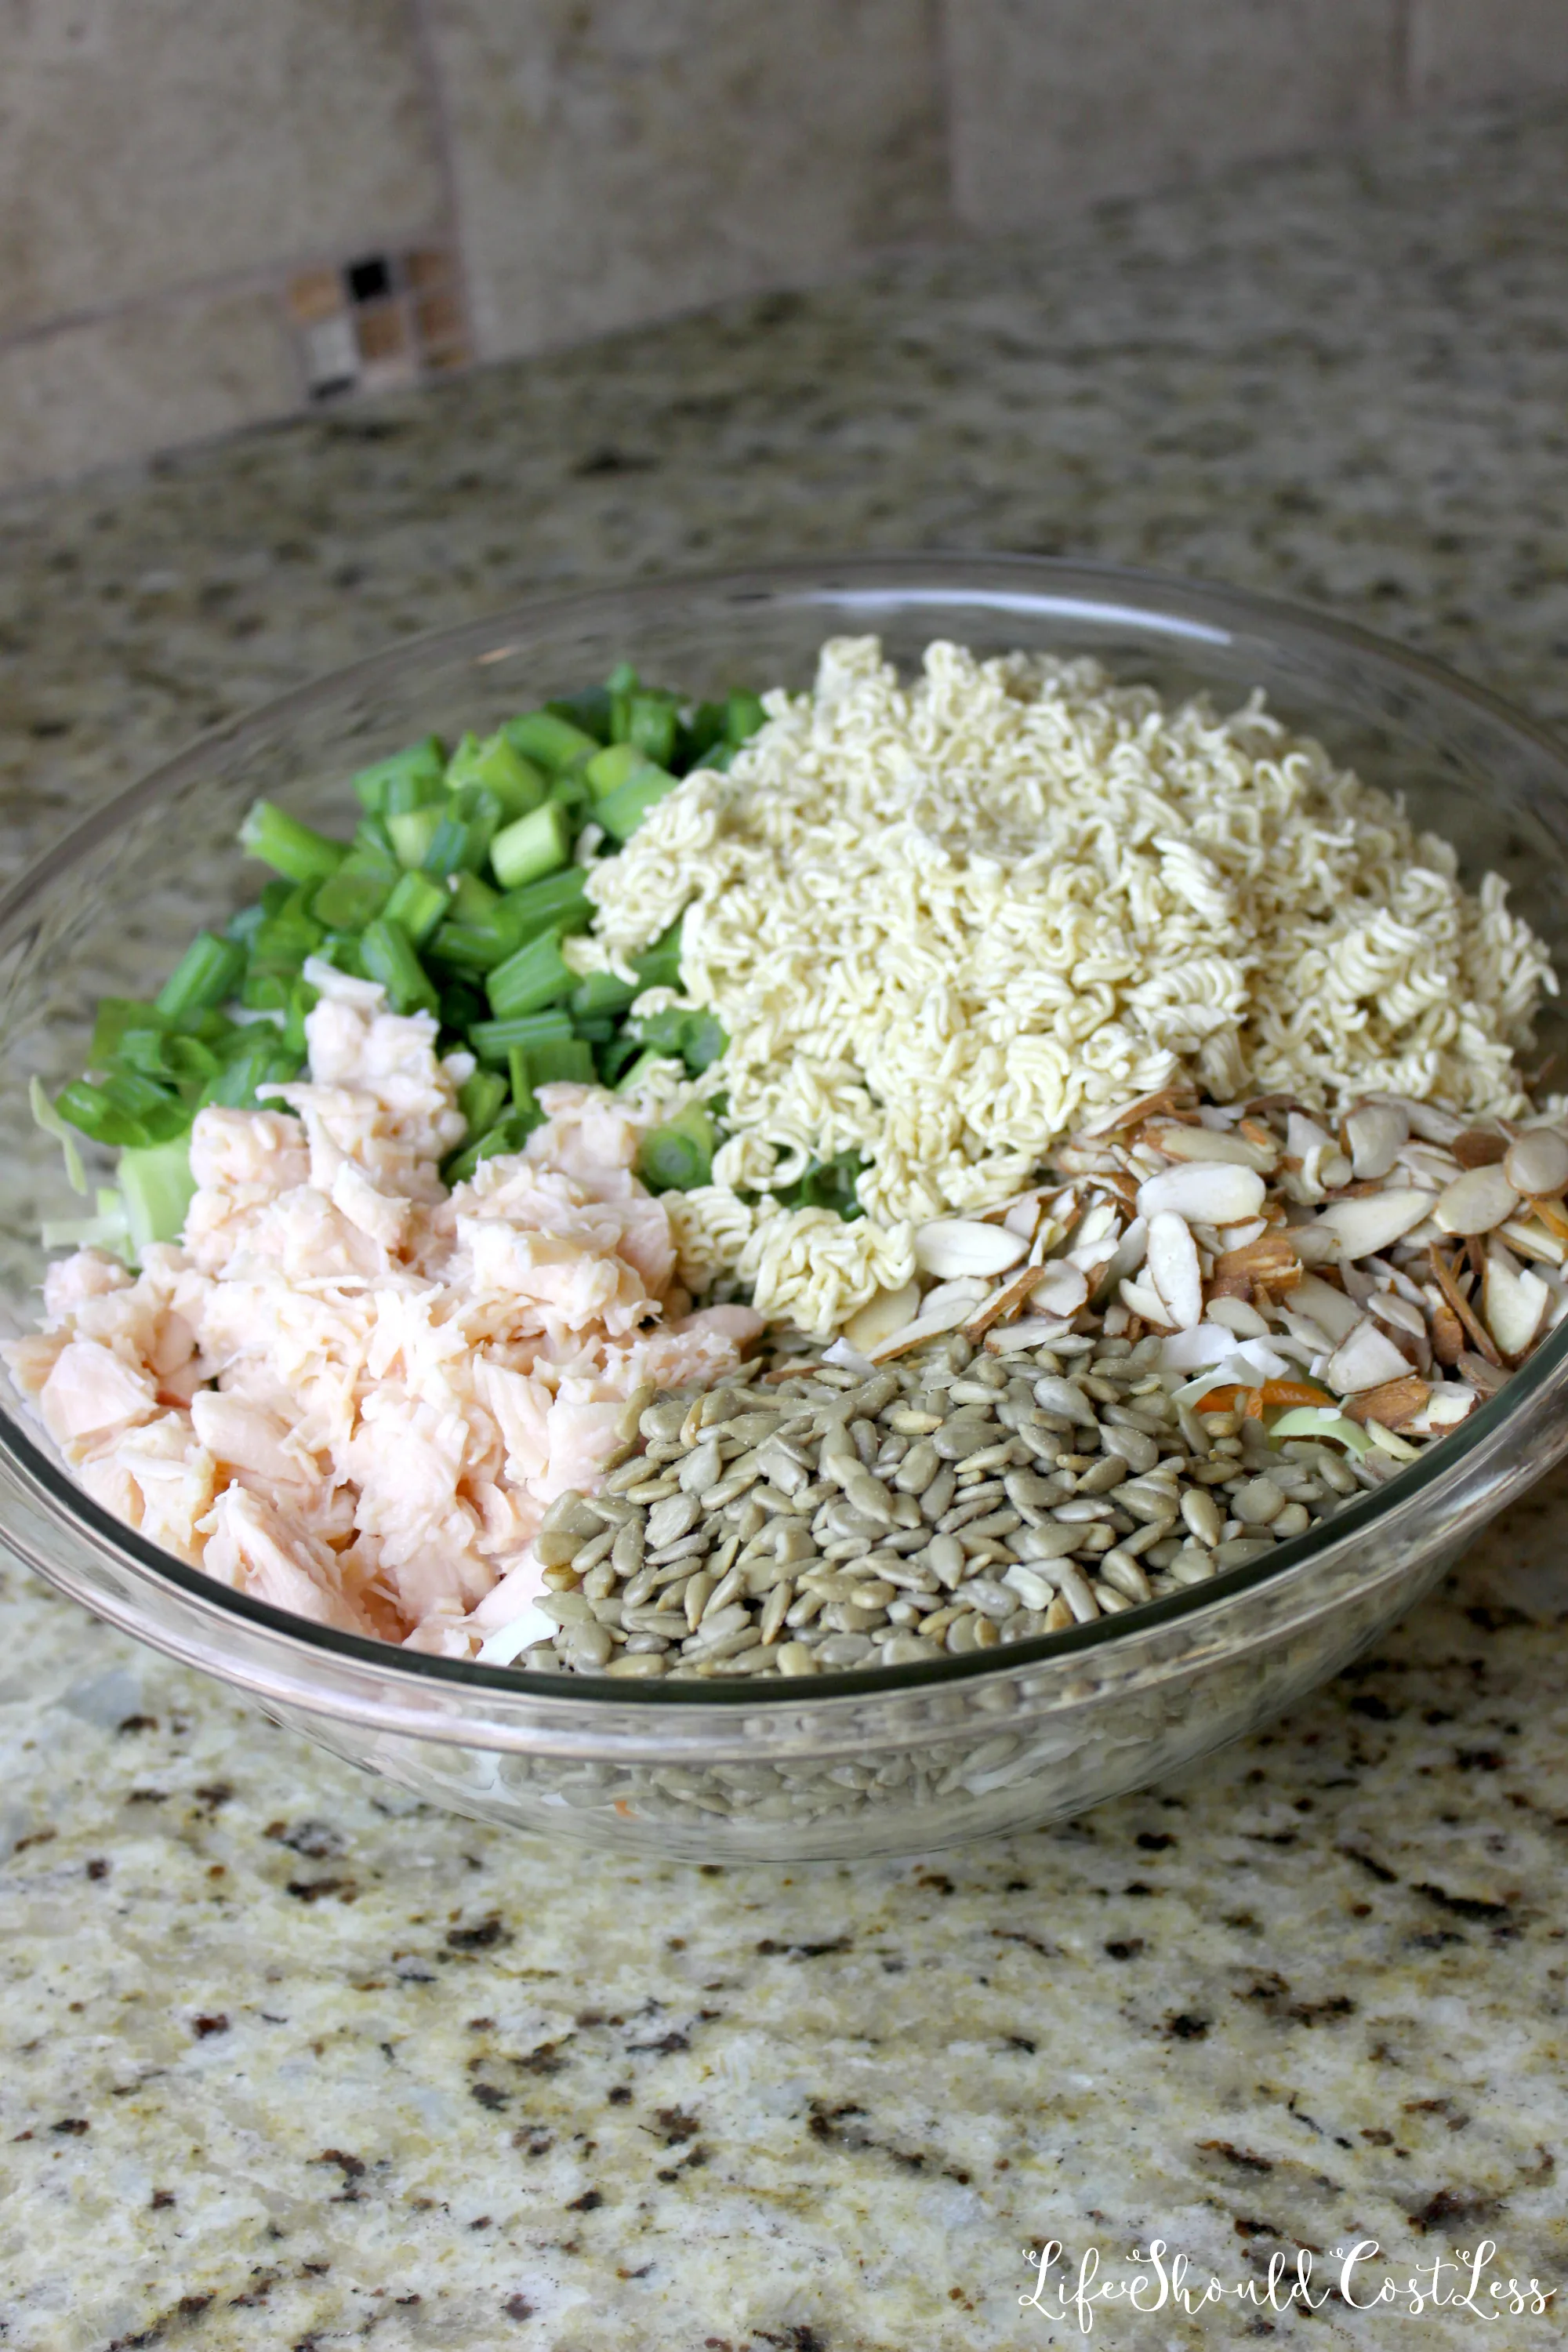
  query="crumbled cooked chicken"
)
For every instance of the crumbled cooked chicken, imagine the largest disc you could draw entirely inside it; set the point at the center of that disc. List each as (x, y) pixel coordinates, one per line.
(349, 1391)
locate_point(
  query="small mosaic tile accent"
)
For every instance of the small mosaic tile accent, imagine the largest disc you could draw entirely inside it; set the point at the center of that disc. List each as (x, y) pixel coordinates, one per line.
(378, 321)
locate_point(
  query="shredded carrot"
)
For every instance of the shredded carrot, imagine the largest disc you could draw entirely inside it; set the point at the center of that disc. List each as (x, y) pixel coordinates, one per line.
(1265, 1399)
(1274, 1392)
(622, 1807)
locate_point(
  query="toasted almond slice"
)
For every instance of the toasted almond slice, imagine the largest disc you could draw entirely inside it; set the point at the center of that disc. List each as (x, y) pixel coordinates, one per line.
(1330, 1309)
(1132, 1114)
(1448, 1334)
(1532, 1240)
(1171, 1266)
(1433, 1126)
(1236, 1315)
(1029, 1331)
(1514, 1301)
(881, 1316)
(1373, 1132)
(1060, 1289)
(1212, 1143)
(1396, 1403)
(1366, 1360)
(1373, 1221)
(931, 1326)
(1141, 1299)
(1481, 1372)
(1537, 1162)
(1447, 1281)
(1270, 1259)
(951, 1247)
(1475, 1201)
(1479, 1146)
(1208, 1191)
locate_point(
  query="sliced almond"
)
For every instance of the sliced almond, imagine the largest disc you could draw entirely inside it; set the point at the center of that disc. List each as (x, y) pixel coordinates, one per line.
(1448, 1334)
(1133, 1114)
(1141, 1299)
(1373, 1132)
(1398, 1313)
(1029, 1331)
(1479, 1146)
(1269, 1258)
(1209, 1193)
(1433, 1126)
(1236, 1315)
(881, 1316)
(1515, 1302)
(1532, 1240)
(1171, 1263)
(1394, 1404)
(942, 1311)
(1475, 1201)
(1329, 1308)
(951, 1247)
(1537, 1162)
(1485, 1345)
(1366, 1360)
(1209, 1144)
(1058, 1289)
(1373, 1221)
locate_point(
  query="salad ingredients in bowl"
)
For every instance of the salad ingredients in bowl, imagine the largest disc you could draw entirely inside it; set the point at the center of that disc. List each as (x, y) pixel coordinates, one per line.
(777, 1186)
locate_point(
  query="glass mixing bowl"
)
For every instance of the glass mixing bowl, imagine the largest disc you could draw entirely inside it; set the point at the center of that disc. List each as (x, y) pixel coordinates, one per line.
(869, 1762)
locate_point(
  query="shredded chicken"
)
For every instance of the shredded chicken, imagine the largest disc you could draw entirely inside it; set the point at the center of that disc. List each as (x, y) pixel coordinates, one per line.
(349, 1391)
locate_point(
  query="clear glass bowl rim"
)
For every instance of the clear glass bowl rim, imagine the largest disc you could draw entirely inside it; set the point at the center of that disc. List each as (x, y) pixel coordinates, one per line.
(1193, 612)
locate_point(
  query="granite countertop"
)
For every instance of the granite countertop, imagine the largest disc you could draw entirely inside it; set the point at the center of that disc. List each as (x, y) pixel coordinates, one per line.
(291, 2061)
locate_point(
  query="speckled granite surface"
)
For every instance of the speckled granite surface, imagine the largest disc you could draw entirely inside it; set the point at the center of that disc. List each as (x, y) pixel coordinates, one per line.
(287, 2062)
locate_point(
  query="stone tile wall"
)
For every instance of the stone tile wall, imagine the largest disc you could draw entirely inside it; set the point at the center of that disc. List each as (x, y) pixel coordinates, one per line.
(216, 212)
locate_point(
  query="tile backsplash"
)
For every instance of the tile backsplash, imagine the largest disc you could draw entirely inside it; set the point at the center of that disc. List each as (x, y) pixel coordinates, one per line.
(217, 212)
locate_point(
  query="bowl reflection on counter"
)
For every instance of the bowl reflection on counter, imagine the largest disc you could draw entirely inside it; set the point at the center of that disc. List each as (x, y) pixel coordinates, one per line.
(881, 1761)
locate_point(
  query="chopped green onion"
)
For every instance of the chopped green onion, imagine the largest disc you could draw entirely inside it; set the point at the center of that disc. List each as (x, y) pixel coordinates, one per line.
(704, 1043)
(480, 1099)
(388, 956)
(679, 1156)
(530, 979)
(563, 1061)
(534, 847)
(421, 768)
(357, 892)
(472, 901)
(743, 714)
(123, 1108)
(47, 1116)
(659, 965)
(653, 724)
(552, 742)
(414, 832)
(116, 1016)
(522, 1083)
(157, 1188)
(302, 999)
(492, 1041)
(462, 1006)
(617, 1055)
(589, 710)
(261, 1058)
(341, 948)
(621, 812)
(475, 947)
(558, 903)
(288, 845)
(417, 906)
(497, 764)
(610, 768)
(600, 993)
(463, 837)
(207, 974)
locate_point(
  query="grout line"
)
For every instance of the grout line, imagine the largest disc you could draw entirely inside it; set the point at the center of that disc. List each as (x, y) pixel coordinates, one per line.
(428, 48)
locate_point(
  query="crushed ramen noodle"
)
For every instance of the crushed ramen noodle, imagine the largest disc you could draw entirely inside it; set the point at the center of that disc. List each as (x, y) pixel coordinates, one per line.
(943, 923)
